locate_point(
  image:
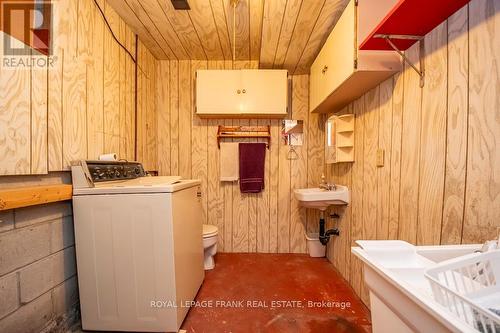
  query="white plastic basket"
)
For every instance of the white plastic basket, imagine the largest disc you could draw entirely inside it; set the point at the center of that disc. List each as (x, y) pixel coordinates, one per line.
(469, 286)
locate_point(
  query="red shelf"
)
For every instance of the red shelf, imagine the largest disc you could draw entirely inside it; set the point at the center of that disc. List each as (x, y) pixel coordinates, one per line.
(411, 17)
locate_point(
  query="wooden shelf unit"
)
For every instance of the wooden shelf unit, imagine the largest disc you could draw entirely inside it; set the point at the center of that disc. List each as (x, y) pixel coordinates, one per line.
(34, 195)
(242, 132)
(339, 145)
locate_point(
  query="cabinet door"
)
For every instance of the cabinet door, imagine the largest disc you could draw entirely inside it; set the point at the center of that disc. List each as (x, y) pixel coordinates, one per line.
(217, 91)
(335, 62)
(264, 92)
(315, 95)
(340, 49)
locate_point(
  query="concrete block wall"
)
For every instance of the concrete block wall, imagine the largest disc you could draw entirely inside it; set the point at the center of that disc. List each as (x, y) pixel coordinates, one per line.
(38, 285)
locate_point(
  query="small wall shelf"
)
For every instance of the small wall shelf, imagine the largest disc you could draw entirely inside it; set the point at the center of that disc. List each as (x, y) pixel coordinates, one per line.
(34, 195)
(409, 21)
(339, 145)
(241, 132)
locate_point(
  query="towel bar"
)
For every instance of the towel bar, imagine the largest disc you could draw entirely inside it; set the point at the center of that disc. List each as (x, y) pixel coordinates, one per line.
(241, 132)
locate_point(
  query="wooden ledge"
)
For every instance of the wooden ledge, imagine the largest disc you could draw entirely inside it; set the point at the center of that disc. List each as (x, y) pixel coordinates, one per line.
(34, 195)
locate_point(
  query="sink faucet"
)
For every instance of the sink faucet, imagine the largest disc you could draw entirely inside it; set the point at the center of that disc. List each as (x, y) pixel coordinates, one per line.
(326, 186)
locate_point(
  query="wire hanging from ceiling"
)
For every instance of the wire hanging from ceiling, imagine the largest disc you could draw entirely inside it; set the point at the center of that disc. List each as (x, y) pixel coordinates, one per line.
(134, 59)
(234, 3)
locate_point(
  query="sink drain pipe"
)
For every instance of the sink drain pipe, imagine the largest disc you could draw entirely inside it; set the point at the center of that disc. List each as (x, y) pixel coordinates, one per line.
(324, 236)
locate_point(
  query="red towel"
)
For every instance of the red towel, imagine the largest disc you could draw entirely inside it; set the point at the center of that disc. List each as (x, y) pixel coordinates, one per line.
(252, 160)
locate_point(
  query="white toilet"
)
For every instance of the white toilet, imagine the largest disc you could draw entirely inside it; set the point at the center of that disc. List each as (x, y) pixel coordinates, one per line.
(210, 237)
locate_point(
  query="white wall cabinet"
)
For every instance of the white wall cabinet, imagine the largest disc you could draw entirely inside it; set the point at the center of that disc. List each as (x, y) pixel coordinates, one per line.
(241, 93)
(341, 72)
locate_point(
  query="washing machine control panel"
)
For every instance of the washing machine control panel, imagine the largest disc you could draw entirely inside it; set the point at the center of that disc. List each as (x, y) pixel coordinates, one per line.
(101, 171)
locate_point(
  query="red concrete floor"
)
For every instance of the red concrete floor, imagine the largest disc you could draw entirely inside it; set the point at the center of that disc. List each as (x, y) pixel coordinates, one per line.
(260, 286)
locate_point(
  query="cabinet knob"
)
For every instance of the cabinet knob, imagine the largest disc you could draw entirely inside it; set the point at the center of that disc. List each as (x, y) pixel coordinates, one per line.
(244, 91)
(238, 91)
(324, 69)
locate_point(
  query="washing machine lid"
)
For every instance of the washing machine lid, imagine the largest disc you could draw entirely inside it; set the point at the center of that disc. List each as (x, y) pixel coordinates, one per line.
(159, 184)
(209, 230)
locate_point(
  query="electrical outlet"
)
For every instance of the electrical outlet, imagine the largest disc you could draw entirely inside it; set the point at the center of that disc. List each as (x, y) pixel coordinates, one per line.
(380, 157)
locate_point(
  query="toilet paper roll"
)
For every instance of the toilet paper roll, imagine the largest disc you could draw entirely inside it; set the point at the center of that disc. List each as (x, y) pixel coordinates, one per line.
(108, 157)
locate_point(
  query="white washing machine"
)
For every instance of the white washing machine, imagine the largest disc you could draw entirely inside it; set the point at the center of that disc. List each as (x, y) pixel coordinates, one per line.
(139, 247)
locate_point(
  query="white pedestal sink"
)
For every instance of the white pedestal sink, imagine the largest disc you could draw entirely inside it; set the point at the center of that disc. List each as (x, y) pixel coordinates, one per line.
(321, 199)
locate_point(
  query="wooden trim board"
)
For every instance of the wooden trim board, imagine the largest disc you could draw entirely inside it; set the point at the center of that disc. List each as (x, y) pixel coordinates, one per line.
(34, 195)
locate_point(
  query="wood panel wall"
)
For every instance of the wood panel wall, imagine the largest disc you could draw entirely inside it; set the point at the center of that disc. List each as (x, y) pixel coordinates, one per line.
(89, 112)
(270, 221)
(23, 116)
(440, 183)
(81, 106)
(146, 109)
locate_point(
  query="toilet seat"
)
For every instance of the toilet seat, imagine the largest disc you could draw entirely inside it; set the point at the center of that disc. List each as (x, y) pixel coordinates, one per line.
(209, 230)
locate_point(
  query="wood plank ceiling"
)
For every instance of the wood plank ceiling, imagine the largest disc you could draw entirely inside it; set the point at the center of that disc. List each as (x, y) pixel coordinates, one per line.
(278, 33)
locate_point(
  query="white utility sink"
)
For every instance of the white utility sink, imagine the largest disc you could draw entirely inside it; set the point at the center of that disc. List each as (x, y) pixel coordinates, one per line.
(320, 199)
(401, 298)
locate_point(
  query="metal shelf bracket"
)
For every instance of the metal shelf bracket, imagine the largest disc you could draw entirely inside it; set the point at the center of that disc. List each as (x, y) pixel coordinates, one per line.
(421, 71)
